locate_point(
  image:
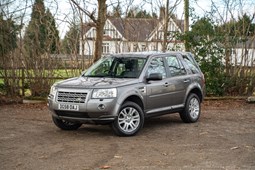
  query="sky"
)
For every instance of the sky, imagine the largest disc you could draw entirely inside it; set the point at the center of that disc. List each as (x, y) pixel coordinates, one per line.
(201, 8)
(65, 7)
(62, 9)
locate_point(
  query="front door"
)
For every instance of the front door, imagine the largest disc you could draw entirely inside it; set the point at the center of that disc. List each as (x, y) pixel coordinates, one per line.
(157, 91)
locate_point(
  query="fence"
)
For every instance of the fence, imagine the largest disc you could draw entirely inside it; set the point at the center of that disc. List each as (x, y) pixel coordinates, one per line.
(20, 82)
(22, 79)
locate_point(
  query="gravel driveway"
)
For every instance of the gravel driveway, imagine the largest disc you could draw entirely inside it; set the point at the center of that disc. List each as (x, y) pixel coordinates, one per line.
(224, 138)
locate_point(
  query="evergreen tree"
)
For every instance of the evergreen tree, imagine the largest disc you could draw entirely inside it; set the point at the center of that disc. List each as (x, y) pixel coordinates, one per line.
(241, 28)
(41, 35)
(203, 27)
(203, 42)
(116, 12)
(245, 27)
(70, 43)
(52, 34)
(143, 14)
(8, 37)
(202, 31)
(8, 43)
(136, 12)
(154, 15)
(35, 35)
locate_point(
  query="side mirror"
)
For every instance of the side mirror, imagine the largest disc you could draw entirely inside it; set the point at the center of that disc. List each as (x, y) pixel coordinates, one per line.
(154, 76)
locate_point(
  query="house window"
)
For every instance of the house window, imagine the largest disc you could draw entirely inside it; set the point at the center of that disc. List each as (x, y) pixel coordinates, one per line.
(106, 48)
(143, 47)
(135, 47)
(153, 48)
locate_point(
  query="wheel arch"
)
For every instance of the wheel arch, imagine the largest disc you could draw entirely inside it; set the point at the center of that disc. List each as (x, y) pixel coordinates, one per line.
(196, 91)
(137, 104)
(136, 99)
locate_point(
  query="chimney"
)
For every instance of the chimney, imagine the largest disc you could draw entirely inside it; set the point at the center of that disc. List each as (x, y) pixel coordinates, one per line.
(162, 13)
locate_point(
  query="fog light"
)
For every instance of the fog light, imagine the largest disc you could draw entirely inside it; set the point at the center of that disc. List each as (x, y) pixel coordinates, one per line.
(101, 107)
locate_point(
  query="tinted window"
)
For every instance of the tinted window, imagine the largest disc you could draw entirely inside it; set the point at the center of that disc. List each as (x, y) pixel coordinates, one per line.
(191, 64)
(174, 66)
(157, 66)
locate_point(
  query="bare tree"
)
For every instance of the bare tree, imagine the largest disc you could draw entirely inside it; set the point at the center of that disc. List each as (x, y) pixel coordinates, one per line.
(167, 11)
(166, 21)
(235, 34)
(11, 16)
(99, 21)
(186, 20)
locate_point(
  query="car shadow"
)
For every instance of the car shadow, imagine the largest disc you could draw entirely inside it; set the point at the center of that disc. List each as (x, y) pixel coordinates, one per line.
(93, 129)
(166, 120)
(152, 123)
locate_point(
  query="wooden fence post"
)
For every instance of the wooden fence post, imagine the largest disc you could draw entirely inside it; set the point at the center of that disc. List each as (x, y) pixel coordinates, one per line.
(23, 81)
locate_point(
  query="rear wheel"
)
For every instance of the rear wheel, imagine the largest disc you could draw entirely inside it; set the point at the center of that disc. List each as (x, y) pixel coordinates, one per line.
(191, 112)
(65, 125)
(129, 121)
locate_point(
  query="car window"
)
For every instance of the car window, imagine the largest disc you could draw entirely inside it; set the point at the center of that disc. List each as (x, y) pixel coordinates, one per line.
(174, 66)
(119, 67)
(191, 64)
(130, 67)
(157, 66)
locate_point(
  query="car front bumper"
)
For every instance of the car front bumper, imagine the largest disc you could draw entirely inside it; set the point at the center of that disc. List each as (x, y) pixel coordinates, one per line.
(93, 110)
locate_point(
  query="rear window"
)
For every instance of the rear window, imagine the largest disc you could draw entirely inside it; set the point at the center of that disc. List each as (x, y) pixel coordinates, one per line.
(190, 62)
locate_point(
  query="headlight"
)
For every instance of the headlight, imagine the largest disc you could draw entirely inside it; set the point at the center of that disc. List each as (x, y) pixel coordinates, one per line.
(53, 89)
(104, 93)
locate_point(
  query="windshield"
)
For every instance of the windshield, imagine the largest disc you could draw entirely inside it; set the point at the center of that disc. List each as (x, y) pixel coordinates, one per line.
(119, 67)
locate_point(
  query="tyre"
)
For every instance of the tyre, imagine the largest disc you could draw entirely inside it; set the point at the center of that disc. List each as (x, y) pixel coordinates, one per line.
(65, 125)
(192, 109)
(129, 121)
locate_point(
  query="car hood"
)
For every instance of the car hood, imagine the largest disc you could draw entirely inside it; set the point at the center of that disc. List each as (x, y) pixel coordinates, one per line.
(89, 82)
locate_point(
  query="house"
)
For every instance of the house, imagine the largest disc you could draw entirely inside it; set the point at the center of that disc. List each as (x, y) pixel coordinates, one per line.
(243, 53)
(132, 35)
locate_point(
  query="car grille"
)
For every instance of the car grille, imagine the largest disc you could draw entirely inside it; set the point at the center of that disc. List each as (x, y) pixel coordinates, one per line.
(71, 97)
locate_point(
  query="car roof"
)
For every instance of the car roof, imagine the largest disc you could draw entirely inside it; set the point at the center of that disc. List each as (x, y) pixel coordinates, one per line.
(147, 54)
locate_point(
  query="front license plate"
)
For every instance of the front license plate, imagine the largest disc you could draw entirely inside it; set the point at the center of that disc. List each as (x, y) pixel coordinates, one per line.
(68, 107)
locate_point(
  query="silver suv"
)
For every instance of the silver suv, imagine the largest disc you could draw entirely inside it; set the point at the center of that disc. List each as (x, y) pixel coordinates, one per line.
(124, 89)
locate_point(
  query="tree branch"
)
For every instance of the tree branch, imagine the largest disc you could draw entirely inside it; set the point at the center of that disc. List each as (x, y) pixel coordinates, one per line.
(90, 15)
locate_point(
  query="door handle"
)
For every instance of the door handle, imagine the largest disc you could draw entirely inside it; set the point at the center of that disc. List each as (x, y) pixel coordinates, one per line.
(186, 80)
(166, 84)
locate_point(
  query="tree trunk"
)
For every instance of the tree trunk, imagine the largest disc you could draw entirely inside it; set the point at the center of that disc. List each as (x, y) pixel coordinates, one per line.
(102, 10)
(166, 21)
(186, 21)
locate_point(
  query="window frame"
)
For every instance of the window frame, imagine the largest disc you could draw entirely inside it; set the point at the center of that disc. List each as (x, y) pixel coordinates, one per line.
(182, 69)
(105, 48)
(164, 65)
(193, 63)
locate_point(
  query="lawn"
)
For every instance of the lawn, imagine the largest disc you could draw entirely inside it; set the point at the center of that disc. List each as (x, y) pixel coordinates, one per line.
(15, 76)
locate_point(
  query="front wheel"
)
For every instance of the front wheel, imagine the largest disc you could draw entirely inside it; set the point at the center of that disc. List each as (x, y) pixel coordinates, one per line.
(129, 121)
(65, 125)
(192, 109)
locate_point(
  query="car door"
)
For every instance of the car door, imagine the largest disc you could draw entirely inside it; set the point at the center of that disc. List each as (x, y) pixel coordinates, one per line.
(157, 91)
(177, 81)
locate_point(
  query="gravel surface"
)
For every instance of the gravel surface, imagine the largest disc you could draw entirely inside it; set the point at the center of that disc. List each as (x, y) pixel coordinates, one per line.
(224, 138)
